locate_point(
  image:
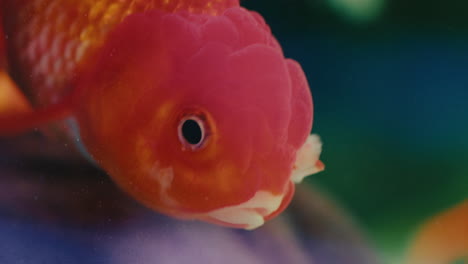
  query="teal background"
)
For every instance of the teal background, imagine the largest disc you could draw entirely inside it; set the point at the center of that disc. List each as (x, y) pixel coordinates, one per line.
(390, 97)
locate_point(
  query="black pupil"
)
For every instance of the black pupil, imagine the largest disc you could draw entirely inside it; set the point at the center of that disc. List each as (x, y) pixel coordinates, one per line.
(191, 131)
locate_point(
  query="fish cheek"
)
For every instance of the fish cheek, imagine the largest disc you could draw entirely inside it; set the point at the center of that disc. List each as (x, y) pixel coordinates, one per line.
(123, 89)
(207, 179)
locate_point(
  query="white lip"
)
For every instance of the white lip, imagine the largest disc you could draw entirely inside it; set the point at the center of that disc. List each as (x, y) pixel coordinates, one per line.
(250, 214)
(307, 159)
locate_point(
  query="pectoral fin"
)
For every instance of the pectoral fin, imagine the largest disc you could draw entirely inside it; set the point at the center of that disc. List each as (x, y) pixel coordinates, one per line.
(12, 100)
(16, 113)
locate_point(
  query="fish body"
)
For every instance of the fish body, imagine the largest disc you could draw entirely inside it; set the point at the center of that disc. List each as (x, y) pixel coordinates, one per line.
(189, 105)
(50, 39)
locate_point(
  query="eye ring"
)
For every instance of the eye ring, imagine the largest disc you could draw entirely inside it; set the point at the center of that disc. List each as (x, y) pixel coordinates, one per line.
(192, 132)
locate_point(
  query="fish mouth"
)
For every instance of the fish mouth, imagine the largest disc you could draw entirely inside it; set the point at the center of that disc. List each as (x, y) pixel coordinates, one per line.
(265, 205)
(253, 213)
(307, 159)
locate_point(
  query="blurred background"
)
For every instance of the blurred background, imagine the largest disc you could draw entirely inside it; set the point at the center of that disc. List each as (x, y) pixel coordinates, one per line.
(390, 86)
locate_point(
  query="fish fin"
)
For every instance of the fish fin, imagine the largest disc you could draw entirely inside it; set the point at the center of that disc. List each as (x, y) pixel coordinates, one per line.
(12, 100)
(17, 114)
(307, 159)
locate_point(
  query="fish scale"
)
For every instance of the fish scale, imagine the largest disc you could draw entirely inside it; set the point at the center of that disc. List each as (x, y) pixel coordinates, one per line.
(52, 37)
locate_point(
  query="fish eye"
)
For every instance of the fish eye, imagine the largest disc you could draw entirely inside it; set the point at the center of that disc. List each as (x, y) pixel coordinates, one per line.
(192, 132)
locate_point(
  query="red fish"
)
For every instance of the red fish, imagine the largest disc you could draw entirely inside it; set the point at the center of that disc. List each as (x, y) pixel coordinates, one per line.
(189, 105)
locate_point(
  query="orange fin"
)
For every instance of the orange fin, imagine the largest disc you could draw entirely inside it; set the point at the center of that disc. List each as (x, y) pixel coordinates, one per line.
(16, 113)
(12, 100)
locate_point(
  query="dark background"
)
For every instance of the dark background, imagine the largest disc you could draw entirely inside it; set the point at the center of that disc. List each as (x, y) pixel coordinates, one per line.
(390, 91)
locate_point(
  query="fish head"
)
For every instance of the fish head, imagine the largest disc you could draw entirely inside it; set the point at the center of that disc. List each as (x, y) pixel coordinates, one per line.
(205, 121)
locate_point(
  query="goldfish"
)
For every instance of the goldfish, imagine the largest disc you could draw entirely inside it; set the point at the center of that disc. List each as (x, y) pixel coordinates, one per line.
(443, 239)
(188, 105)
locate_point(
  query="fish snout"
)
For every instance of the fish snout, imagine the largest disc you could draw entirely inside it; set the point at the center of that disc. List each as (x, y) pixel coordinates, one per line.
(253, 213)
(265, 205)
